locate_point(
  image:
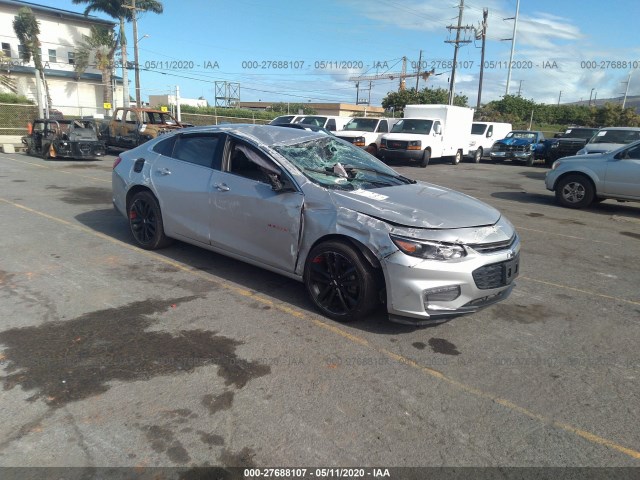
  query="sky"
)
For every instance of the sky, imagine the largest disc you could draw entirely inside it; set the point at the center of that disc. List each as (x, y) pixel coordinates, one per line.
(302, 51)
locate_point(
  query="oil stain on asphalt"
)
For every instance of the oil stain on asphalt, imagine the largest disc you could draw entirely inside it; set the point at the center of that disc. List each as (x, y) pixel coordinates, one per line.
(87, 196)
(67, 361)
(631, 235)
(440, 345)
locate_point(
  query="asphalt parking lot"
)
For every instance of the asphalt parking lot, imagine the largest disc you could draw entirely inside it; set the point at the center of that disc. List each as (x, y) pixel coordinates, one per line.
(114, 356)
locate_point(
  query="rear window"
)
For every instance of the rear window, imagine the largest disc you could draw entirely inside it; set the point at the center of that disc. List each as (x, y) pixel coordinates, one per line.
(165, 147)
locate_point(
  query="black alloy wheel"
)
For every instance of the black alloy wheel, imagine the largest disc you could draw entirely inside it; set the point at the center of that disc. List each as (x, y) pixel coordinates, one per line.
(340, 281)
(145, 222)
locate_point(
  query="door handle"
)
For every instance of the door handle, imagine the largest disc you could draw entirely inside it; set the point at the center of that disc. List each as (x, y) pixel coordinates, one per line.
(222, 187)
(164, 171)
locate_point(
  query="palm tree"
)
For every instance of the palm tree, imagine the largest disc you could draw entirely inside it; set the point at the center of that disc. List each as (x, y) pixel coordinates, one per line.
(27, 29)
(98, 49)
(119, 9)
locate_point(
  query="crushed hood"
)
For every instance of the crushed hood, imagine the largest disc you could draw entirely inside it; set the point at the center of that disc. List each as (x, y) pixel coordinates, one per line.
(419, 205)
(515, 141)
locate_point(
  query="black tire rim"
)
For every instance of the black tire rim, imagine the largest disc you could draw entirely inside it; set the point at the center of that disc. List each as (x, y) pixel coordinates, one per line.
(335, 283)
(143, 220)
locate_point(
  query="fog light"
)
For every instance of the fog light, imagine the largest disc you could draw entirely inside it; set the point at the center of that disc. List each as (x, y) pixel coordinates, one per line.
(442, 294)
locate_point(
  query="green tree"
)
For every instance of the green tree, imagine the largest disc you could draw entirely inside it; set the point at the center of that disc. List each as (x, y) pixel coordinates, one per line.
(117, 9)
(427, 96)
(27, 29)
(98, 49)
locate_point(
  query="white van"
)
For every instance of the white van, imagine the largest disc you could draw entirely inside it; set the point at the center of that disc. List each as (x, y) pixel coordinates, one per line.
(285, 119)
(429, 131)
(330, 122)
(483, 135)
(366, 132)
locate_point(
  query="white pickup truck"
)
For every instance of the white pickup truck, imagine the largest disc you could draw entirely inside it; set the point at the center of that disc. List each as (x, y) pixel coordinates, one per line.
(429, 131)
(366, 132)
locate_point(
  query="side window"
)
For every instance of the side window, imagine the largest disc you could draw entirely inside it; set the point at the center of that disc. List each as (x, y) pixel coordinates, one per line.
(165, 147)
(118, 117)
(383, 127)
(38, 126)
(490, 131)
(633, 153)
(198, 149)
(250, 163)
(331, 125)
(131, 117)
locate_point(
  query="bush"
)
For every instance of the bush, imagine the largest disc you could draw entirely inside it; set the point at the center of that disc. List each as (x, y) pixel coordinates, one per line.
(13, 98)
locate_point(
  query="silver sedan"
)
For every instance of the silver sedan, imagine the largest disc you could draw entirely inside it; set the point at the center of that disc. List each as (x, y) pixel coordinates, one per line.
(321, 211)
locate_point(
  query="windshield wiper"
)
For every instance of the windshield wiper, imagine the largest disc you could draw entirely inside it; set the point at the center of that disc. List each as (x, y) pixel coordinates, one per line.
(379, 172)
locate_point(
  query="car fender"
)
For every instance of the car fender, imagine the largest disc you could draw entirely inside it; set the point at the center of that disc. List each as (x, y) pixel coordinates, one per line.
(591, 174)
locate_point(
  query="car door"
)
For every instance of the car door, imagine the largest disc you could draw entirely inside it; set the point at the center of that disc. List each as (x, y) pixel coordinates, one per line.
(623, 173)
(437, 143)
(249, 218)
(182, 175)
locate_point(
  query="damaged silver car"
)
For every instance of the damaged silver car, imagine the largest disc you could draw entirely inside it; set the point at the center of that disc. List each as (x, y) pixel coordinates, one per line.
(321, 211)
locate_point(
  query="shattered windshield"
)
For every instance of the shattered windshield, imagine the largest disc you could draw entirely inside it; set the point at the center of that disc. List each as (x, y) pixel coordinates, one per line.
(335, 164)
(362, 124)
(525, 135)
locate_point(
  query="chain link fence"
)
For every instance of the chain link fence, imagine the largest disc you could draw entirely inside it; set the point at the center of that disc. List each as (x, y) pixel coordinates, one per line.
(199, 119)
(15, 116)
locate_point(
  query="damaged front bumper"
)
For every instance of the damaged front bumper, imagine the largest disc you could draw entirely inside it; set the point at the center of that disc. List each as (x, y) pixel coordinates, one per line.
(423, 292)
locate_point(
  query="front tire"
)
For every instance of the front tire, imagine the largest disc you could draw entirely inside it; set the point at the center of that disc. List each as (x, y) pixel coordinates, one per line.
(145, 222)
(372, 149)
(478, 155)
(530, 160)
(457, 158)
(340, 281)
(575, 191)
(426, 156)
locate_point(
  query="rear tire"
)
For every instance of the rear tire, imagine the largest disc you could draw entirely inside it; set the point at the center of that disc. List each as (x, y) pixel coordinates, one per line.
(340, 281)
(426, 156)
(574, 191)
(478, 155)
(145, 222)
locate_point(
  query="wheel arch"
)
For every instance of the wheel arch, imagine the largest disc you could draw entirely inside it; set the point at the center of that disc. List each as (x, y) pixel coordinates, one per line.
(137, 189)
(361, 247)
(582, 173)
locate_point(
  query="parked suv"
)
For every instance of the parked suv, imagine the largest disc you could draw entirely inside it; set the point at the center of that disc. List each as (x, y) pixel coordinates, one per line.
(578, 181)
(611, 138)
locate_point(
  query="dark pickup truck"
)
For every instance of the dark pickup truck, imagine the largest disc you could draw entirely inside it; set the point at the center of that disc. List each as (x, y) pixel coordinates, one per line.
(77, 139)
(131, 127)
(566, 144)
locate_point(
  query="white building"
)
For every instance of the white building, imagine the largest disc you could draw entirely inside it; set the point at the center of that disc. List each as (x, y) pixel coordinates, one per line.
(170, 101)
(61, 31)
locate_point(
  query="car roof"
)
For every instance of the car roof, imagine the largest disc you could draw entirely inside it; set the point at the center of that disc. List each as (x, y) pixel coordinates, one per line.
(262, 134)
(631, 129)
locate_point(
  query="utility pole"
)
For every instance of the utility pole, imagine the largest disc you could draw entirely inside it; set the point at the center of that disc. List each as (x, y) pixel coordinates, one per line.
(513, 43)
(135, 50)
(626, 90)
(520, 88)
(418, 73)
(178, 113)
(559, 97)
(485, 14)
(591, 96)
(456, 43)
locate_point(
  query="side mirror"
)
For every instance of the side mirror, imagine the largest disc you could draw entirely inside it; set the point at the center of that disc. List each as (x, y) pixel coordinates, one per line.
(489, 134)
(438, 129)
(279, 185)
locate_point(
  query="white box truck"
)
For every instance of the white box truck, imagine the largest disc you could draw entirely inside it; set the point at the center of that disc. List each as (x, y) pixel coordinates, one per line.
(429, 131)
(483, 135)
(366, 132)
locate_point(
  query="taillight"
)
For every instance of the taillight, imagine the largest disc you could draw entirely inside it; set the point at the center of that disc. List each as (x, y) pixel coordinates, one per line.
(116, 162)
